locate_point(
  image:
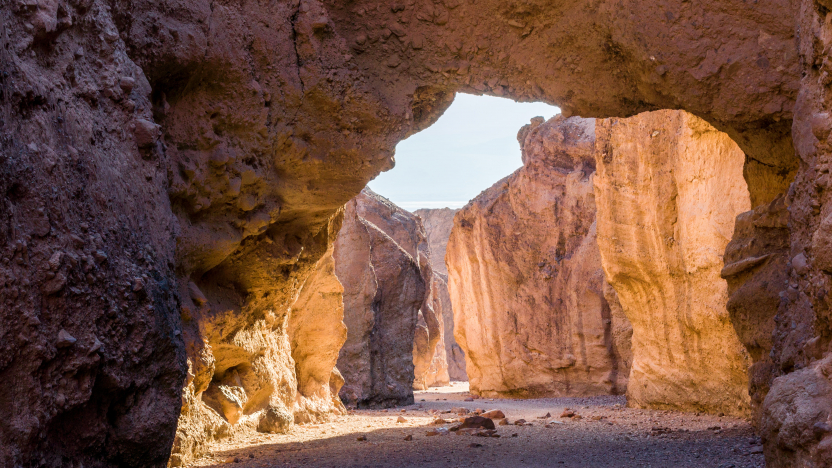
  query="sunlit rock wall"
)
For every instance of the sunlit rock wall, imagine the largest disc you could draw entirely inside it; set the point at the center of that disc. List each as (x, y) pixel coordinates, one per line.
(669, 187)
(525, 276)
(263, 372)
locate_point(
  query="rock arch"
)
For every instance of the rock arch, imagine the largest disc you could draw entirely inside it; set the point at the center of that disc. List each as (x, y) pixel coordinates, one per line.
(210, 144)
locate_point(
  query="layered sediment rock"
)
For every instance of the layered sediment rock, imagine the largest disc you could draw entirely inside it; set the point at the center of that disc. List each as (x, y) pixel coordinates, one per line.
(380, 258)
(438, 224)
(525, 276)
(668, 188)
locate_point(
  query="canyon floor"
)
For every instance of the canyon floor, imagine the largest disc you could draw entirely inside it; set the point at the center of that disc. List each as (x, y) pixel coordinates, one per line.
(607, 434)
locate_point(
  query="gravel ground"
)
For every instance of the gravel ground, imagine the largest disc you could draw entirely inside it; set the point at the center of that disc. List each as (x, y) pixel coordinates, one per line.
(607, 434)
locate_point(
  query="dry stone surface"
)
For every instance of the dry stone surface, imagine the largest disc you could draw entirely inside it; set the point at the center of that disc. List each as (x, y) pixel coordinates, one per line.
(377, 259)
(152, 145)
(669, 187)
(438, 224)
(525, 276)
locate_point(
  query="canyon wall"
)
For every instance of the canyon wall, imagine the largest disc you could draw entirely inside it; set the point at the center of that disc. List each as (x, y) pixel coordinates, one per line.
(380, 258)
(525, 276)
(796, 413)
(151, 145)
(448, 362)
(756, 270)
(438, 224)
(250, 373)
(668, 189)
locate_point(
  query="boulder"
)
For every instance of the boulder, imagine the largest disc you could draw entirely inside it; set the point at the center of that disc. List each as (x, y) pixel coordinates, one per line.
(528, 292)
(796, 419)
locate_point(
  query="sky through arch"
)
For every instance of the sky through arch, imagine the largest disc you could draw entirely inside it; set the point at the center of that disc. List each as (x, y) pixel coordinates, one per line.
(472, 146)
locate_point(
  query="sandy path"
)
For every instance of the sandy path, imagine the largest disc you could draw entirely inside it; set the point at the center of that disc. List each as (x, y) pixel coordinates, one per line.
(608, 435)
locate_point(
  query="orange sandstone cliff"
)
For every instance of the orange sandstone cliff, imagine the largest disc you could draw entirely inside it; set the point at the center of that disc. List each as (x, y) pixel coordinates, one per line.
(525, 276)
(668, 189)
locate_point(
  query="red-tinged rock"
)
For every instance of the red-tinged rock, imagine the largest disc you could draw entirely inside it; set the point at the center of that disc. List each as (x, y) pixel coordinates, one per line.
(378, 261)
(523, 256)
(477, 422)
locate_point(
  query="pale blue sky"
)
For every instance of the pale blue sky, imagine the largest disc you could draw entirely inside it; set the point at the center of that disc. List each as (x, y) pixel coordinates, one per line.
(472, 146)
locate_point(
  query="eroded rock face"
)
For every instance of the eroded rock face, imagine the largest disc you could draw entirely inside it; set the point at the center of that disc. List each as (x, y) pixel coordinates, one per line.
(447, 354)
(260, 371)
(438, 224)
(669, 187)
(317, 333)
(212, 143)
(796, 411)
(91, 355)
(525, 276)
(756, 269)
(377, 259)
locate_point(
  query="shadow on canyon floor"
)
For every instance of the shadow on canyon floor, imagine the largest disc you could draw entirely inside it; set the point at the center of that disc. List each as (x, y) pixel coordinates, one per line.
(607, 435)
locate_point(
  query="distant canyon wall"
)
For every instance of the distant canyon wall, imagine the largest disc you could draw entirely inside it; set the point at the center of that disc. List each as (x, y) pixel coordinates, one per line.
(377, 260)
(528, 291)
(438, 224)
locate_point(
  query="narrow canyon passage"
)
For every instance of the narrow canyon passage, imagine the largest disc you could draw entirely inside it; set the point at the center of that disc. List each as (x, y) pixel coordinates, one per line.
(173, 177)
(604, 433)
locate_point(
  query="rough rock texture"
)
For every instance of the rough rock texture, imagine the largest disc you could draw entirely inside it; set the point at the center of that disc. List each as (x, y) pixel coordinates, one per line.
(525, 276)
(91, 355)
(447, 353)
(317, 332)
(378, 254)
(264, 373)
(757, 272)
(668, 189)
(212, 143)
(795, 419)
(438, 224)
(430, 359)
